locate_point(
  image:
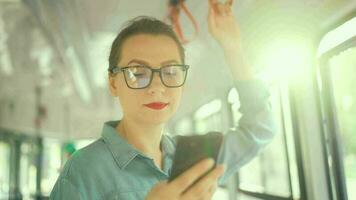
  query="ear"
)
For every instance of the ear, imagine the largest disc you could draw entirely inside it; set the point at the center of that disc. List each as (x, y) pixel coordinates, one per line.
(112, 86)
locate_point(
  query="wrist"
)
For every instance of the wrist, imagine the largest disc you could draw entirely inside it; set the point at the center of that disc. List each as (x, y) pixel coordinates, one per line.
(231, 47)
(240, 69)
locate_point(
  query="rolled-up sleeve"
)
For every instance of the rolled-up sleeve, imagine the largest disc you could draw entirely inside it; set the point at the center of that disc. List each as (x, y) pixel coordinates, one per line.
(255, 129)
(64, 190)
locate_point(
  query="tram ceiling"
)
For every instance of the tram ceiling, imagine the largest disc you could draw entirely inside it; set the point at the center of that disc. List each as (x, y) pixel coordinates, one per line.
(62, 48)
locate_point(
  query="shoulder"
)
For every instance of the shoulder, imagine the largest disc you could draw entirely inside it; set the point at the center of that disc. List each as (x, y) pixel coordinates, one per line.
(78, 174)
(86, 160)
(91, 153)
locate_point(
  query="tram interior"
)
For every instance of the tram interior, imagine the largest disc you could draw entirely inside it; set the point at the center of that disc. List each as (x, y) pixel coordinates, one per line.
(54, 96)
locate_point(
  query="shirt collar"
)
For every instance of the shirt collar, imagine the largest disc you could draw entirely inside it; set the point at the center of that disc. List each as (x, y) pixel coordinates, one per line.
(168, 146)
(122, 151)
(168, 149)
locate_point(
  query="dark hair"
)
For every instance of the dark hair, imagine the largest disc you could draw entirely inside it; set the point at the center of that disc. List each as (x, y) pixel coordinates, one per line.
(142, 24)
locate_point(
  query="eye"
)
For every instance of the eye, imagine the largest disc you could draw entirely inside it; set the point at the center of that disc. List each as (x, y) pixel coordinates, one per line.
(131, 75)
(138, 71)
(138, 74)
(171, 71)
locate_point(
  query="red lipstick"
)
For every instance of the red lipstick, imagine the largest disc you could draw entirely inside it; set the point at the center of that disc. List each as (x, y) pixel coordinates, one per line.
(156, 105)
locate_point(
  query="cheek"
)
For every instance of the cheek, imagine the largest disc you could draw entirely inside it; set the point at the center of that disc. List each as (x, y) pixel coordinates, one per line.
(129, 99)
(176, 97)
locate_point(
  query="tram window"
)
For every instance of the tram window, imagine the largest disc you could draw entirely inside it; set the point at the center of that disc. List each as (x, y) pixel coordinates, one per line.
(343, 76)
(82, 143)
(51, 164)
(184, 126)
(221, 194)
(208, 117)
(272, 170)
(208, 124)
(234, 101)
(246, 197)
(4, 170)
(70, 147)
(28, 169)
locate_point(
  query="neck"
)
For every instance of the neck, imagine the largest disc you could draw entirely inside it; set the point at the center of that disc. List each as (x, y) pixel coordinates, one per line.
(144, 137)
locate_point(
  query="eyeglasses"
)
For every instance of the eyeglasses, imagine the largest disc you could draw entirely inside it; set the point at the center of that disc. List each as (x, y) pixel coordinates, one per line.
(140, 76)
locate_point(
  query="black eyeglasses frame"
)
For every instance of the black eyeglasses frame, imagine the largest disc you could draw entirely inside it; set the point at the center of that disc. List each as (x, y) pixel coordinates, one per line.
(117, 69)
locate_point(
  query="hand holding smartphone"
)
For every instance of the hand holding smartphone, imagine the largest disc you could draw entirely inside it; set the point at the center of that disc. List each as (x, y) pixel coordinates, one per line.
(192, 149)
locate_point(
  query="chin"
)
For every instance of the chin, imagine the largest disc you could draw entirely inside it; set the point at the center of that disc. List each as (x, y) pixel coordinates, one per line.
(156, 119)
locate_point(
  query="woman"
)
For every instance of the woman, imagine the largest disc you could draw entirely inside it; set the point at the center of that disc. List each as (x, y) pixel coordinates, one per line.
(133, 158)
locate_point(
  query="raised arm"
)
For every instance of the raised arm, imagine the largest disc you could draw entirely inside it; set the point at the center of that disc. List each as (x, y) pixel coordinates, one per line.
(254, 131)
(256, 126)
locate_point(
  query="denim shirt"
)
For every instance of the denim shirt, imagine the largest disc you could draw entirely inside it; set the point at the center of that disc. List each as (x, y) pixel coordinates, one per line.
(110, 168)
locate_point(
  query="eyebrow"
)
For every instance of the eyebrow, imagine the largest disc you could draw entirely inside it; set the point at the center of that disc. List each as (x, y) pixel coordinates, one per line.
(146, 63)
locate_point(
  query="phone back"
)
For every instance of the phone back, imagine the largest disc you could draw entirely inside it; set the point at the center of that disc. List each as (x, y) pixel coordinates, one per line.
(194, 148)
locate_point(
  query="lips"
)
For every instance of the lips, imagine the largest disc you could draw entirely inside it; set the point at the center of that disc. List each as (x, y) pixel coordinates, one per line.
(156, 105)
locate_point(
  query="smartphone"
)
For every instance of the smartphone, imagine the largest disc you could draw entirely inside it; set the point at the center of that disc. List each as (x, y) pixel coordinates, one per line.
(192, 149)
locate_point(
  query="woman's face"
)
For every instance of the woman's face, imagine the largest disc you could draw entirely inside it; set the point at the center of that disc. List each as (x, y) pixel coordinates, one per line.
(154, 51)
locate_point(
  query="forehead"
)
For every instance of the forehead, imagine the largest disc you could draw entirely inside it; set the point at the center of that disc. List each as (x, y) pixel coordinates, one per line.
(154, 49)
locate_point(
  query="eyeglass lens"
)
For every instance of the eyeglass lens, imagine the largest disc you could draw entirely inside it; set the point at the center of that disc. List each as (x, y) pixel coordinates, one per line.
(140, 76)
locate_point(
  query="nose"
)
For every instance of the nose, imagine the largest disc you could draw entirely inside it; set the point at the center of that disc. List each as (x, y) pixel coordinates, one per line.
(156, 85)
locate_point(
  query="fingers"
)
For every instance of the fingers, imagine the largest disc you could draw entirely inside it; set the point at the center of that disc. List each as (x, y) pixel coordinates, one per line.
(181, 183)
(229, 2)
(213, 2)
(220, 8)
(211, 17)
(202, 187)
(212, 189)
(227, 9)
(159, 191)
(212, 8)
(210, 193)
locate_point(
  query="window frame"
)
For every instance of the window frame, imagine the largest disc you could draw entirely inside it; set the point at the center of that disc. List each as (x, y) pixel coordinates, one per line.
(16, 140)
(331, 134)
(4, 139)
(298, 156)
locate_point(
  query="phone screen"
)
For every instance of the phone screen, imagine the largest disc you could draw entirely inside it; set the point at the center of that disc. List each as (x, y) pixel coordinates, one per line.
(192, 149)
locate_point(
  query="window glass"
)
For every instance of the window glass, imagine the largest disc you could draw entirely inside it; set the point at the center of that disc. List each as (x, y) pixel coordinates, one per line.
(28, 169)
(211, 123)
(221, 194)
(83, 143)
(184, 126)
(51, 164)
(208, 117)
(241, 196)
(270, 170)
(4, 170)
